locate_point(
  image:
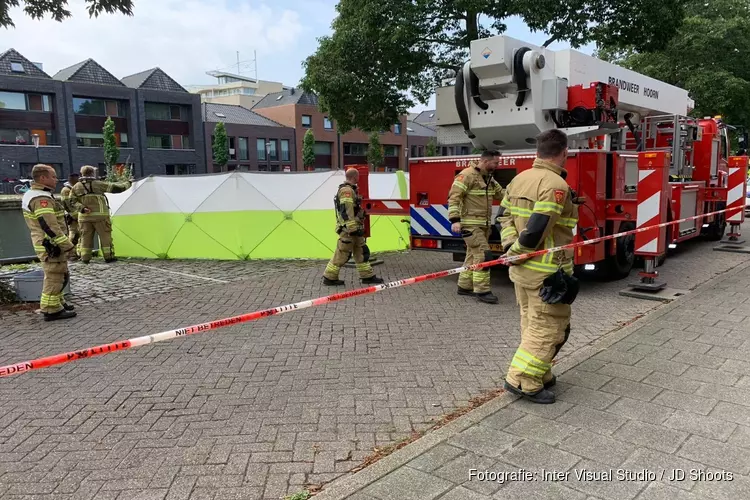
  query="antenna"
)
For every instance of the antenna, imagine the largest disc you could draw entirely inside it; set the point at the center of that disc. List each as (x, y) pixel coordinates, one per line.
(240, 65)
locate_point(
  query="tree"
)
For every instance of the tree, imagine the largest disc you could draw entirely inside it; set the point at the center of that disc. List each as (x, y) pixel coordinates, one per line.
(37, 9)
(707, 57)
(220, 145)
(111, 152)
(382, 49)
(431, 149)
(375, 152)
(308, 149)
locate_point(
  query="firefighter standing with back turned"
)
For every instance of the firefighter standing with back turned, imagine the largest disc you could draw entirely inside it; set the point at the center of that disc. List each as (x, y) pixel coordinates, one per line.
(44, 216)
(540, 211)
(71, 216)
(350, 228)
(470, 213)
(93, 212)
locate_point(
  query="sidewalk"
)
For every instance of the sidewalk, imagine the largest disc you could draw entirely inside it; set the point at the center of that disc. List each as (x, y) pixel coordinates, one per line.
(660, 408)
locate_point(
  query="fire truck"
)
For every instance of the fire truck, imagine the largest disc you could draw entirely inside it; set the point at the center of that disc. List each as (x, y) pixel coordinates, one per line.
(623, 127)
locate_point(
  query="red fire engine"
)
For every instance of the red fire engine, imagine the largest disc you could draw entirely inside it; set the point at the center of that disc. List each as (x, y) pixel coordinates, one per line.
(630, 137)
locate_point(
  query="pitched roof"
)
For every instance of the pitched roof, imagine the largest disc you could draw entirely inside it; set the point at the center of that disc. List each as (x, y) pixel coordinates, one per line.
(88, 71)
(291, 96)
(415, 129)
(426, 117)
(235, 114)
(153, 79)
(412, 116)
(29, 68)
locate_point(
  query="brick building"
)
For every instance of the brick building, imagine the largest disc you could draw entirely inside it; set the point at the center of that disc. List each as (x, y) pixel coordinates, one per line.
(299, 110)
(157, 123)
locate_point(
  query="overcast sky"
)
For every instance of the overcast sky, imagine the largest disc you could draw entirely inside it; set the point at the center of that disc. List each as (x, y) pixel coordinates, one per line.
(186, 38)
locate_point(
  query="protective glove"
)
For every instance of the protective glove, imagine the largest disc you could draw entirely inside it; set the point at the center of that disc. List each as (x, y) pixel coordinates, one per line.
(559, 288)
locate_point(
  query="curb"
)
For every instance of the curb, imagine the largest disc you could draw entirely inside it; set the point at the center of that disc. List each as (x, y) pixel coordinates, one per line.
(347, 485)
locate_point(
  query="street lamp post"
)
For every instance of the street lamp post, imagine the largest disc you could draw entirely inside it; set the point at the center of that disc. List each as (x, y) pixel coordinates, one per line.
(35, 138)
(268, 155)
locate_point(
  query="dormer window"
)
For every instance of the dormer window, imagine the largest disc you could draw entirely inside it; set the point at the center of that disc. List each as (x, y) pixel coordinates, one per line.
(17, 67)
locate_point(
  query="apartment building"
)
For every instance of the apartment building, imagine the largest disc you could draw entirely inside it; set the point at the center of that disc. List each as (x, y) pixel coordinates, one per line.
(158, 124)
(333, 150)
(235, 89)
(256, 143)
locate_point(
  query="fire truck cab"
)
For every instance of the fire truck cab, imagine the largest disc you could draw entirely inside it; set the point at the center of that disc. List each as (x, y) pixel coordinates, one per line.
(510, 91)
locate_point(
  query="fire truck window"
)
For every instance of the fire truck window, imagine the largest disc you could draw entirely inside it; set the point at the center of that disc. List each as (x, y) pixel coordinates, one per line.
(724, 143)
(504, 175)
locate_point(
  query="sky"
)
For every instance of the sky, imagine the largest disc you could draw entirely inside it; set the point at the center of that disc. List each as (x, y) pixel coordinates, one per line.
(186, 38)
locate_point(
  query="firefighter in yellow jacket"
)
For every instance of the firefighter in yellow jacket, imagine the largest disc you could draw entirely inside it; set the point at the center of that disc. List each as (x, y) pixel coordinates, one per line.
(539, 211)
(45, 218)
(71, 216)
(470, 213)
(93, 212)
(350, 227)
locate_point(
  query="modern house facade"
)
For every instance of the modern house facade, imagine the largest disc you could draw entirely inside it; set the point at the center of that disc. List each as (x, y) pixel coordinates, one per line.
(256, 143)
(157, 123)
(333, 150)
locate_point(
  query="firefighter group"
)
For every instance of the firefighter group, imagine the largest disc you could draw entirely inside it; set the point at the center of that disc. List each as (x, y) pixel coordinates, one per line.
(62, 229)
(538, 210)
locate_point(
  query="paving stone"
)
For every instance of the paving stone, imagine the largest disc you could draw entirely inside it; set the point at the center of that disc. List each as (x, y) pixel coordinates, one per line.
(662, 365)
(664, 351)
(651, 436)
(458, 470)
(602, 449)
(484, 440)
(533, 455)
(660, 491)
(503, 418)
(544, 411)
(539, 429)
(667, 468)
(688, 347)
(435, 458)
(710, 427)
(687, 402)
(600, 481)
(731, 413)
(592, 420)
(461, 493)
(629, 388)
(584, 379)
(740, 436)
(408, 484)
(716, 454)
(588, 397)
(723, 488)
(616, 356)
(640, 410)
(539, 489)
(636, 373)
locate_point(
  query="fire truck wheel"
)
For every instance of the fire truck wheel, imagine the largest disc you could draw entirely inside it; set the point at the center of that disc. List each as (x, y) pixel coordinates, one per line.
(715, 230)
(618, 266)
(459, 257)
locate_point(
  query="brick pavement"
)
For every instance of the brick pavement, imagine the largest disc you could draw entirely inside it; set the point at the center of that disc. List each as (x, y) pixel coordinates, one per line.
(261, 409)
(659, 411)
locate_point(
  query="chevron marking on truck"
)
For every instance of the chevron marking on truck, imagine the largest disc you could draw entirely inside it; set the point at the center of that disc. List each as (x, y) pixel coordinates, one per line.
(734, 195)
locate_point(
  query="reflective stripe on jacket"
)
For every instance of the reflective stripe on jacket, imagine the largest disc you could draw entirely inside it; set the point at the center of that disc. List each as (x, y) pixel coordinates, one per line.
(89, 193)
(471, 196)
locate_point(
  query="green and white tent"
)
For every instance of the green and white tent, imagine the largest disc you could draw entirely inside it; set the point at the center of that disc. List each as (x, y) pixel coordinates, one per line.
(242, 215)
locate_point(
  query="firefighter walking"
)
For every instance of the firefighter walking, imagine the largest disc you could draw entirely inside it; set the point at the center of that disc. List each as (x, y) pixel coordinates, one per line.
(350, 227)
(93, 212)
(470, 213)
(539, 211)
(44, 216)
(71, 216)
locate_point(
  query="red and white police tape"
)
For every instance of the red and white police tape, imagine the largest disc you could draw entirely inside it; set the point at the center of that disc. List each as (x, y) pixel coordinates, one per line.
(57, 359)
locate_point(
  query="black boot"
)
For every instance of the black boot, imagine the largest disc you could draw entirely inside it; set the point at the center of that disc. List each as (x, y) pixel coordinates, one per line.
(542, 396)
(487, 297)
(374, 280)
(69, 307)
(330, 282)
(550, 383)
(113, 259)
(464, 291)
(61, 314)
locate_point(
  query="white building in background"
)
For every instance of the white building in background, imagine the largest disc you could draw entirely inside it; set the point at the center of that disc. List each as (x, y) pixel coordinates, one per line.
(235, 89)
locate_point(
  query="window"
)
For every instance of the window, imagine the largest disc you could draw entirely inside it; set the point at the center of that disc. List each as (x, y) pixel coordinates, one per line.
(327, 123)
(96, 140)
(273, 152)
(322, 148)
(284, 150)
(261, 145)
(355, 149)
(13, 100)
(25, 102)
(13, 136)
(242, 142)
(99, 107)
(161, 141)
(397, 129)
(17, 67)
(180, 169)
(159, 111)
(306, 120)
(232, 150)
(390, 150)
(220, 115)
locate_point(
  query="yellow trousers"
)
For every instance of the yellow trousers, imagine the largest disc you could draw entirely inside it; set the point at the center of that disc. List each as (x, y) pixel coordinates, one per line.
(345, 246)
(103, 229)
(476, 244)
(55, 278)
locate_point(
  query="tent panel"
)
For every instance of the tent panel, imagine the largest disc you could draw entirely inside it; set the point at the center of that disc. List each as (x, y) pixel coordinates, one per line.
(322, 198)
(293, 238)
(149, 198)
(387, 233)
(382, 185)
(187, 191)
(147, 235)
(240, 232)
(192, 243)
(288, 190)
(235, 194)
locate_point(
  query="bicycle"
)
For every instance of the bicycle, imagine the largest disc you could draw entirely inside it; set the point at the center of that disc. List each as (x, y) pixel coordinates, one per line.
(22, 188)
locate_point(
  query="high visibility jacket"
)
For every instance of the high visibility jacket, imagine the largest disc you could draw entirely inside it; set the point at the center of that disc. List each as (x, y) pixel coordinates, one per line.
(538, 212)
(349, 213)
(470, 198)
(89, 193)
(45, 218)
(65, 197)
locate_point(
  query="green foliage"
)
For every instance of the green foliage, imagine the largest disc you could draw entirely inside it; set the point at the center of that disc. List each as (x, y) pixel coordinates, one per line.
(221, 145)
(382, 49)
(111, 152)
(308, 149)
(7, 293)
(431, 149)
(302, 495)
(707, 57)
(37, 9)
(375, 152)
(477, 151)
